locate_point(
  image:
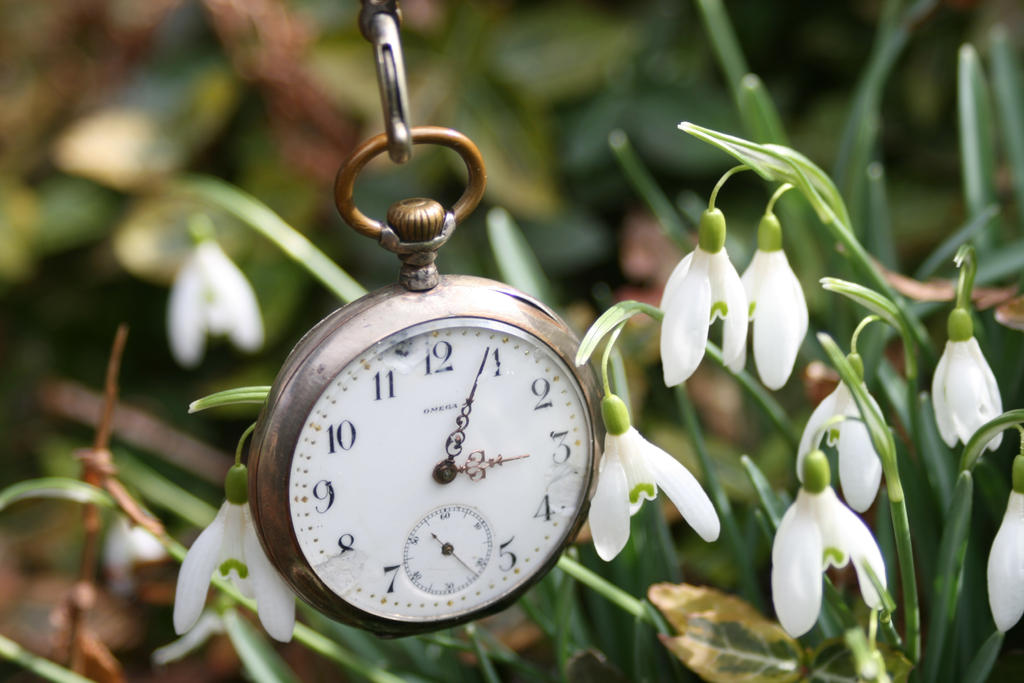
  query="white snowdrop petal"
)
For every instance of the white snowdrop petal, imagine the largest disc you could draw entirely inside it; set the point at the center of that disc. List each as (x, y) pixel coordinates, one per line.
(209, 624)
(675, 279)
(186, 322)
(854, 537)
(685, 492)
(1006, 567)
(966, 391)
(640, 480)
(796, 569)
(275, 603)
(940, 404)
(860, 470)
(993, 399)
(726, 286)
(752, 278)
(684, 330)
(779, 321)
(809, 439)
(194, 576)
(609, 508)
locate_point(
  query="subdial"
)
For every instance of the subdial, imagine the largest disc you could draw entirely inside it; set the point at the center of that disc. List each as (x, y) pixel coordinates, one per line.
(448, 549)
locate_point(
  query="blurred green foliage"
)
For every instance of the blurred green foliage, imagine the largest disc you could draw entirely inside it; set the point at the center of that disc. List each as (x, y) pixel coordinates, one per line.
(103, 103)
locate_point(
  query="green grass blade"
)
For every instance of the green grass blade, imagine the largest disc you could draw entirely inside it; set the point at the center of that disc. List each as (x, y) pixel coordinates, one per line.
(259, 658)
(723, 41)
(977, 150)
(516, 261)
(878, 228)
(256, 395)
(644, 184)
(57, 488)
(1008, 88)
(263, 220)
(943, 254)
(758, 111)
(949, 574)
(772, 506)
(984, 659)
(40, 666)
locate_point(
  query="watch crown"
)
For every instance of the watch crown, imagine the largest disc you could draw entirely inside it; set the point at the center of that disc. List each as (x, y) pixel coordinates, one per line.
(417, 219)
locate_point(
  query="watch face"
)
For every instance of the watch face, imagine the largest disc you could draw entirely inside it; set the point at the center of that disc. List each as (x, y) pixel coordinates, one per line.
(486, 403)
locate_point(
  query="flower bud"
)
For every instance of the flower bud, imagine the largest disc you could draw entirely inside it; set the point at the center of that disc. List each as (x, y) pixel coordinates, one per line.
(959, 325)
(615, 414)
(817, 474)
(711, 233)
(236, 485)
(769, 233)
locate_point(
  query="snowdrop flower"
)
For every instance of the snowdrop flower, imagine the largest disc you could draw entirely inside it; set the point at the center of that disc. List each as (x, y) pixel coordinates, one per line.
(230, 547)
(964, 390)
(126, 546)
(704, 286)
(817, 531)
(631, 471)
(210, 296)
(778, 310)
(1006, 559)
(860, 470)
(208, 625)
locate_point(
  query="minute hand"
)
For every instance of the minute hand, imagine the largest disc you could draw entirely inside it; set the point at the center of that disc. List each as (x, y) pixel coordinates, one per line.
(453, 444)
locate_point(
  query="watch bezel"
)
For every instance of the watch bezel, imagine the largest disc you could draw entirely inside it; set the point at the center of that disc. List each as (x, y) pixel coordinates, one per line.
(313, 364)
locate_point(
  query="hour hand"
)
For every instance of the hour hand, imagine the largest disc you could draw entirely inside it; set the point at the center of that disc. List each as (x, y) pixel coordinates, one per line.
(478, 463)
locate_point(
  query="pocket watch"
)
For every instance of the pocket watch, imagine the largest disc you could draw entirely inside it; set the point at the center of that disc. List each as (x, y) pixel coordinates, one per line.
(426, 452)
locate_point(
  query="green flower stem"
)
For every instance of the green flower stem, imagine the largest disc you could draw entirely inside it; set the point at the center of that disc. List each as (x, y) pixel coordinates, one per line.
(241, 442)
(721, 181)
(605, 588)
(986, 432)
(783, 189)
(733, 537)
(860, 328)
(967, 262)
(882, 440)
(256, 395)
(612, 338)
(40, 666)
(644, 185)
(261, 218)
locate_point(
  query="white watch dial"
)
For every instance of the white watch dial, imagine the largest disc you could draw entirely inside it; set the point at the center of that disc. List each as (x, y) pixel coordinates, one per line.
(485, 398)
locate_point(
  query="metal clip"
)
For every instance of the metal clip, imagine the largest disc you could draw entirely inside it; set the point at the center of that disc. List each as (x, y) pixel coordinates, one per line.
(378, 21)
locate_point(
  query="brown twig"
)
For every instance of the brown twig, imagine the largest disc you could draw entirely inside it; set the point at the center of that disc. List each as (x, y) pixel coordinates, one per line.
(96, 470)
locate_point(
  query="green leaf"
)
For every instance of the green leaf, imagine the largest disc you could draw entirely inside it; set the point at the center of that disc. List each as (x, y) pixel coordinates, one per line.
(723, 638)
(44, 668)
(779, 164)
(758, 112)
(977, 148)
(773, 507)
(58, 488)
(260, 659)
(609, 320)
(256, 395)
(646, 186)
(985, 433)
(883, 307)
(516, 261)
(1008, 88)
(948, 575)
(943, 254)
(832, 662)
(984, 659)
(262, 219)
(558, 51)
